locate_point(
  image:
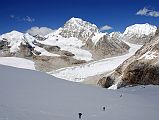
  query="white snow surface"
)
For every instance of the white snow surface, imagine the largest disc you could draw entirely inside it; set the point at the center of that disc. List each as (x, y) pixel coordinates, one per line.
(32, 95)
(149, 55)
(140, 29)
(79, 73)
(17, 62)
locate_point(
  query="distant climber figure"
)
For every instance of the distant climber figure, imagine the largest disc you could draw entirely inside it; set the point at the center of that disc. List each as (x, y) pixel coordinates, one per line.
(80, 115)
(103, 108)
(121, 95)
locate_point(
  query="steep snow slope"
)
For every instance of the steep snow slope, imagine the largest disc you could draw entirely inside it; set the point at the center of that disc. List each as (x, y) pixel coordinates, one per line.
(31, 95)
(79, 73)
(17, 62)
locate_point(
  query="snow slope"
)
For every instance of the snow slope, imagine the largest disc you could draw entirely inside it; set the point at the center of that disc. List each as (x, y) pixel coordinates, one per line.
(31, 95)
(79, 73)
(71, 44)
(17, 62)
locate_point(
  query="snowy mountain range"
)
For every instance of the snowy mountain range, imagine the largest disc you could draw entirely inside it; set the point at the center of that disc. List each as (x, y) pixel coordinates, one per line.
(77, 51)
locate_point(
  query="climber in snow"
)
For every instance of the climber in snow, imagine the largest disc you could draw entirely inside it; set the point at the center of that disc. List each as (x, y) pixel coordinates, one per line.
(80, 115)
(103, 108)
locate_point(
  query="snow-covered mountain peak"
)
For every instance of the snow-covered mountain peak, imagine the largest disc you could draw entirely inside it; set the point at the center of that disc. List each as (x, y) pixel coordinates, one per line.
(11, 35)
(79, 22)
(76, 27)
(15, 39)
(116, 35)
(73, 19)
(15, 36)
(140, 29)
(139, 33)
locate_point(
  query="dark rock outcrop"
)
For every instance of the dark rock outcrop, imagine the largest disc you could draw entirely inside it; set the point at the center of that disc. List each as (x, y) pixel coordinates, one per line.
(143, 73)
(25, 50)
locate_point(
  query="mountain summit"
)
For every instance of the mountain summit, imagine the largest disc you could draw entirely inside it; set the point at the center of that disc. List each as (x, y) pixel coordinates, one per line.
(76, 27)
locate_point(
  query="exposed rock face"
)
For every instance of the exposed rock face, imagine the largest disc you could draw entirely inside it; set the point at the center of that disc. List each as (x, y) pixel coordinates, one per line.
(4, 49)
(3, 43)
(25, 50)
(49, 48)
(157, 32)
(107, 45)
(142, 68)
(46, 64)
(40, 38)
(139, 33)
(67, 53)
(143, 73)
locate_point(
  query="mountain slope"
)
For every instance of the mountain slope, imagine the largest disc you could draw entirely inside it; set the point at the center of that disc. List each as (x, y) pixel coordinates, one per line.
(37, 96)
(141, 68)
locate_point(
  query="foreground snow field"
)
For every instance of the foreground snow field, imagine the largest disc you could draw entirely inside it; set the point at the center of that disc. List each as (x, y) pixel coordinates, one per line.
(17, 62)
(32, 95)
(79, 73)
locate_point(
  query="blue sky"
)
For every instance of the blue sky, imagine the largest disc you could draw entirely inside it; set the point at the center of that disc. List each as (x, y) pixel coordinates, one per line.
(23, 14)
